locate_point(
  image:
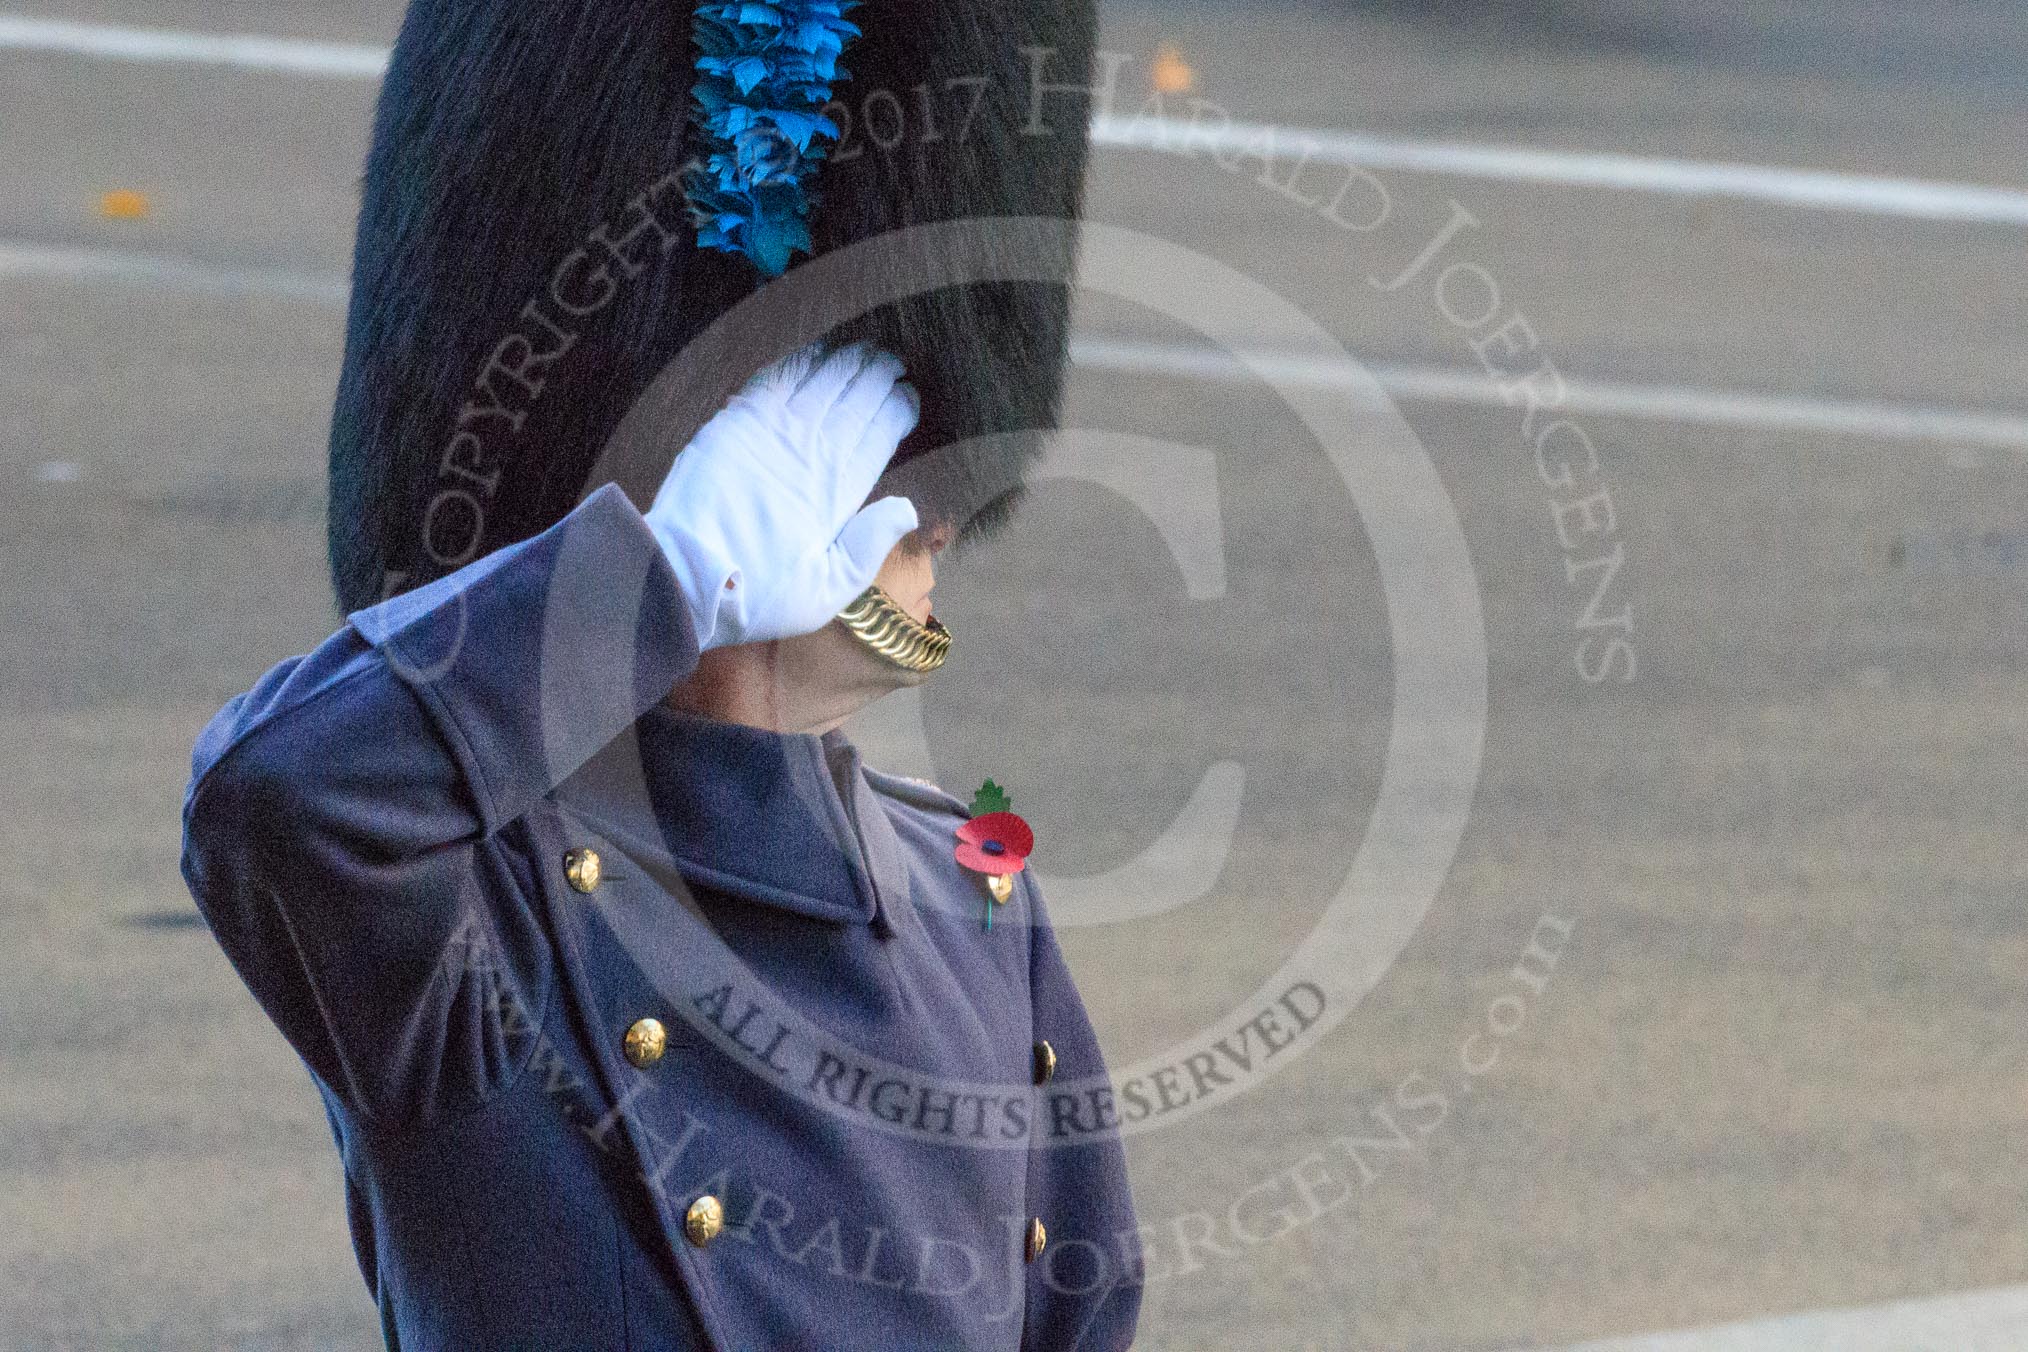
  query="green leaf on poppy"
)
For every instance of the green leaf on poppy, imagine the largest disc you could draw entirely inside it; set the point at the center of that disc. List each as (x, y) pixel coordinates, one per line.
(991, 798)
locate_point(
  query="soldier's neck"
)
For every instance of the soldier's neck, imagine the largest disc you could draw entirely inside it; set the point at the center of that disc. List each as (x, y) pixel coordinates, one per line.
(789, 686)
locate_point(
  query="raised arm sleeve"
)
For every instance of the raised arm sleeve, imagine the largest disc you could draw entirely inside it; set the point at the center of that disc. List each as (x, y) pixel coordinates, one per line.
(352, 826)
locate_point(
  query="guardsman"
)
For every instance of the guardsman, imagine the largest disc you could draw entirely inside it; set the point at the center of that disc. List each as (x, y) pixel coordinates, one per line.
(646, 1014)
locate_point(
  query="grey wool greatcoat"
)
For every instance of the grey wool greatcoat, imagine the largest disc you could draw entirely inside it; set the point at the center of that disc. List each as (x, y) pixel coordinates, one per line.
(640, 1030)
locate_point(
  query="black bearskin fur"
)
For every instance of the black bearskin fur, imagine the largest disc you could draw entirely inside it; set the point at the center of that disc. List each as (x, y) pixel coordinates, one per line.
(511, 133)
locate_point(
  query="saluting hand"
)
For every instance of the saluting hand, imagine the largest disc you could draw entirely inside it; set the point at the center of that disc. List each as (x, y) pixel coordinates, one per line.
(761, 514)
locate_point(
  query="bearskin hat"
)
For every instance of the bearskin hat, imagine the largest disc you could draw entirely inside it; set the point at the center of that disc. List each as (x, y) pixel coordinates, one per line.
(559, 199)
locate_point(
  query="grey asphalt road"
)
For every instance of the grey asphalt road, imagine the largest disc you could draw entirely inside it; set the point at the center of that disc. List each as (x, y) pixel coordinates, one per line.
(1778, 1064)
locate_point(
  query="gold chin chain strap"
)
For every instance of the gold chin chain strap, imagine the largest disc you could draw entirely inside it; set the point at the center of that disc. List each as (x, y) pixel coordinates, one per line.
(879, 622)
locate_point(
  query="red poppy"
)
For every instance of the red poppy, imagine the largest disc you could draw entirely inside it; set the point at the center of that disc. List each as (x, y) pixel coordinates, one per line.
(997, 843)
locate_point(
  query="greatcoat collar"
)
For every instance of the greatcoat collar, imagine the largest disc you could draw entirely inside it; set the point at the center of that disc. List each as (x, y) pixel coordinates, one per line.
(782, 819)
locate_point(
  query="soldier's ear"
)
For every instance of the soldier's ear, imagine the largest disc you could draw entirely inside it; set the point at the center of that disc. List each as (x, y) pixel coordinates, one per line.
(927, 540)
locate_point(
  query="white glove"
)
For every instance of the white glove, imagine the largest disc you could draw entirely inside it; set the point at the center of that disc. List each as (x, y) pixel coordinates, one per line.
(761, 514)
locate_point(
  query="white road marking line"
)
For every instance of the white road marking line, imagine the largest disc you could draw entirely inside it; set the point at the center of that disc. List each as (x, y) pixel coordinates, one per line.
(246, 51)
(1806, 188)
(1975, 1321)
(1810, 188)
(38, 262)
(1598, 398)
(1956, 429)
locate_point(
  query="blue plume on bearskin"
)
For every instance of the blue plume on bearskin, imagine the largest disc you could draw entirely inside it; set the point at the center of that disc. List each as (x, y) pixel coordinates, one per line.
(765, 73)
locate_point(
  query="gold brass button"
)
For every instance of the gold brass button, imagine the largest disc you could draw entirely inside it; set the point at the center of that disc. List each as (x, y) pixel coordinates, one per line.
(583, 868)
(646, 1042)
(704, 1220)
(1045, 1061)
(1037, 1237)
